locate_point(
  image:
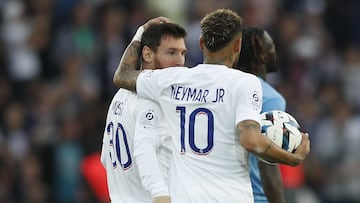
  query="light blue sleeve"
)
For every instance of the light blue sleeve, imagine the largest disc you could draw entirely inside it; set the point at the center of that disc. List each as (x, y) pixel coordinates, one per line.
(272, 99)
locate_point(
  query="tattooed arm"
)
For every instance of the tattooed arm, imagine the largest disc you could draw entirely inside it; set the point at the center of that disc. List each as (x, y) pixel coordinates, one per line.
(126, 73)
(253, 141)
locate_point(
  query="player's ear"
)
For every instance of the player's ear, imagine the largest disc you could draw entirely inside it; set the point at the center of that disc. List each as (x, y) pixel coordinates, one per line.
(147, 54)
(201, 43)
(237, 45)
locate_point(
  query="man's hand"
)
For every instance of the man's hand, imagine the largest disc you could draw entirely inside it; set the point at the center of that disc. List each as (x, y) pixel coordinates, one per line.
(161, 199)
(303, 149)
(157, 20)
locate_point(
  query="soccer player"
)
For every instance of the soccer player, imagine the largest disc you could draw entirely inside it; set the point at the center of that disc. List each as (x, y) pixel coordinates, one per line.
(150, 124)
(258, 56)
(164, 50)
(213, 113)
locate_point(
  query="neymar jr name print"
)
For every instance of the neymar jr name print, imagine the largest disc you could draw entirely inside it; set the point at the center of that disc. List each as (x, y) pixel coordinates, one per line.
(191, 94)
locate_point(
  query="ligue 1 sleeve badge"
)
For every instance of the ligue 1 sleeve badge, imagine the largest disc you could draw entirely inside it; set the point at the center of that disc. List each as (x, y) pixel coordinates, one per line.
(149, 119)
(255, 100)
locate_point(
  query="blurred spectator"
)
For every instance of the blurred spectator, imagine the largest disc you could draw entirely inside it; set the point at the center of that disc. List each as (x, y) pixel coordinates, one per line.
(173, 9)
(260, 13)
(32, 186)
(41, 14)
(351, 74)
(341, 21)
(15, 131)
(23, 61)
(77, 37)
(334, 155)
(112, 43)
(67, 156)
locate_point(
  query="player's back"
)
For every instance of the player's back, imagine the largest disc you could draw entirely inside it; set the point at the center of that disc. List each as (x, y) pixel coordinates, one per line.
(202, 108)
(117, 151)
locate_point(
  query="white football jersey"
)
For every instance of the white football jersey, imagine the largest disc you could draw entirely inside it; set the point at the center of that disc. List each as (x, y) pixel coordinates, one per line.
(123, 178)
(202, 106)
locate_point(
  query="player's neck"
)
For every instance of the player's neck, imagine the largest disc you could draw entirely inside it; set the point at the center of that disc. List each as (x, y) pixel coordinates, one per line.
(259, 70)
(218, 58)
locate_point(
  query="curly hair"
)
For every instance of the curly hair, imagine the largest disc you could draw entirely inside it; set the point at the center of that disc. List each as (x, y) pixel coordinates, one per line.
(254, 44)
(152, 36)
(249, 48)
(219, 27)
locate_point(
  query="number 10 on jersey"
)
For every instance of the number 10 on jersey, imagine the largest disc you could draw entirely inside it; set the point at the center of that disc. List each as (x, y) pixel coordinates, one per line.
(190, 123)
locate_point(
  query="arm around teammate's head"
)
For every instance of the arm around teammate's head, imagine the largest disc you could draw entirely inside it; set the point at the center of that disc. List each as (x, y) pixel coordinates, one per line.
(126, 73)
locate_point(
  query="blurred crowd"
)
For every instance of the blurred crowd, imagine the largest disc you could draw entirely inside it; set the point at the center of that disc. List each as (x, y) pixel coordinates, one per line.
(57, 59)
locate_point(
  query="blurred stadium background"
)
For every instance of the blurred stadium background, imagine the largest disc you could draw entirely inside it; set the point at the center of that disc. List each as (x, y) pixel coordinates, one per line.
(57, 58)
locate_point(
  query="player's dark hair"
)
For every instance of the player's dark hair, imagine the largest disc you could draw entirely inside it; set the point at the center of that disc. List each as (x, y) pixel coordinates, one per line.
(152, 36)
(249, 48)
(219, 28)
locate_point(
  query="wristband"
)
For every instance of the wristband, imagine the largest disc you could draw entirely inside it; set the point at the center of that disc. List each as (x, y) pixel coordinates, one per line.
(138, 34)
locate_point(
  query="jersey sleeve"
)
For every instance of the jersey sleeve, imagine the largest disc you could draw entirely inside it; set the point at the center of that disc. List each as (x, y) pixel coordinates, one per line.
(147, 84)
(272, 99)
(146, 142)
(248, 100)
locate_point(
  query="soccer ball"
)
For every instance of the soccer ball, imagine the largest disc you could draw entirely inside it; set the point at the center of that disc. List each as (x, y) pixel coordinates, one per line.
(282, 129)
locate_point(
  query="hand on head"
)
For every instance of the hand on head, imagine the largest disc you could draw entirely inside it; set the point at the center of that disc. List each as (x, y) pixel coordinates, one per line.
(304, 148)
(157, 20)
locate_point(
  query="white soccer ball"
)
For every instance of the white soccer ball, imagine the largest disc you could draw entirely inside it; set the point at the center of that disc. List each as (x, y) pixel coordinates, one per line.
(282, 129)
